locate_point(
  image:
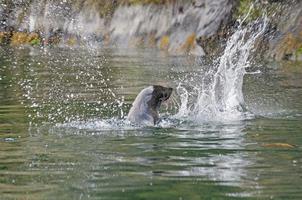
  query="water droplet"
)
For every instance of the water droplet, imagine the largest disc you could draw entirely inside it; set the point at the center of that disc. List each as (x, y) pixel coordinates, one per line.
(9, 139)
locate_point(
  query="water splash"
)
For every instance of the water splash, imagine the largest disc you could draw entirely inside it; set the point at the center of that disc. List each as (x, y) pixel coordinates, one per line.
(217, 91)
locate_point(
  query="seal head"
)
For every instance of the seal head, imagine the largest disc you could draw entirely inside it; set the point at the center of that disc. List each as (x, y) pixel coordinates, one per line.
(144, 110)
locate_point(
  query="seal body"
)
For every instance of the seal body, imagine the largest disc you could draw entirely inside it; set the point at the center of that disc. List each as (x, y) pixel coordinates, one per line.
(144, 110)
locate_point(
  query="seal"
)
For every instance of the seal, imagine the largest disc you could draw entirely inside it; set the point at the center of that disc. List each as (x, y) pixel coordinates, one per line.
(144, 110)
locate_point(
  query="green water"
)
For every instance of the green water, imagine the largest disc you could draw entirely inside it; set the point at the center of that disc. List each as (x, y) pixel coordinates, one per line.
(55, 144)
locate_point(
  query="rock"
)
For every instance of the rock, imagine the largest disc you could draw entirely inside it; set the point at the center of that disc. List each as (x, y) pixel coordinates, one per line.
(288, 48)
(34, 39)
(53, 37)
(136, 41)
(179, 27)
(151, 41)
(197, 51)
(164, 43)
(210, 45)
(19, 38)
(189, 43)
(71, 41)
(6, 36)
(286, 41)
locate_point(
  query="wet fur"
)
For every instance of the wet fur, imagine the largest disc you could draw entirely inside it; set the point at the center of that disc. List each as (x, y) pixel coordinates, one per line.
(144, 110)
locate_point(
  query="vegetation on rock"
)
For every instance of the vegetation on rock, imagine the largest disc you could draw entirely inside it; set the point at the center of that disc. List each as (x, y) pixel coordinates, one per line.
(283, 40)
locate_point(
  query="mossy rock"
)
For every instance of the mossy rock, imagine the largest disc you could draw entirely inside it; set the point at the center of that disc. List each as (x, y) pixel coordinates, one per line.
(106, 39)
(5, 37)
(34, 39)
(2, 36)
(298, 54)
(212, 45)
(164, 42)
(290, 47)
(137, 41)
(19, 38)
(35, 42)
(71, 41)
(253, 10)
(151, 42)
(189, 44)
(245, 7)
(147, 1)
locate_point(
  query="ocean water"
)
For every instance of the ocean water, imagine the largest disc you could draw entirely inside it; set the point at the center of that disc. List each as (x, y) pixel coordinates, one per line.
(231, 130)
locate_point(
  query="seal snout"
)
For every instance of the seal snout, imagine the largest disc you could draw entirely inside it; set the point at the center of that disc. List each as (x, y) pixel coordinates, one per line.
(166, 94)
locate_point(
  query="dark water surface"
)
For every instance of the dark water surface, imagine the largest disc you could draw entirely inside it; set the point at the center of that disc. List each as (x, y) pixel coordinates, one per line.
(61, 138)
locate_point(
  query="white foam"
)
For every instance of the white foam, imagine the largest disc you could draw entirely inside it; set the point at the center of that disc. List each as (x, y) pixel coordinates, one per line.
(97, 125)
(217, 91)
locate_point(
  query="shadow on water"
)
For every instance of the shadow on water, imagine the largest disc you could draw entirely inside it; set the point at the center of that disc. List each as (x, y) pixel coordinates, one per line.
(63, 134)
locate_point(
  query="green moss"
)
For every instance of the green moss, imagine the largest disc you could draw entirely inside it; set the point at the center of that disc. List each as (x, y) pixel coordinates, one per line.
(246, 6)
(298, 54)
(257, 9)
(35, 41)
(299, 51)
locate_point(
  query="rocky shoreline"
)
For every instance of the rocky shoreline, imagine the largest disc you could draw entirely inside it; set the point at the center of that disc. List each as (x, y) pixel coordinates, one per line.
(177, 27)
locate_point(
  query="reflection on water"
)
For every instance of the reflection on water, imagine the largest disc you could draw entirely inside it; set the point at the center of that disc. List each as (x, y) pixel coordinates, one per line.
(62, 135)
